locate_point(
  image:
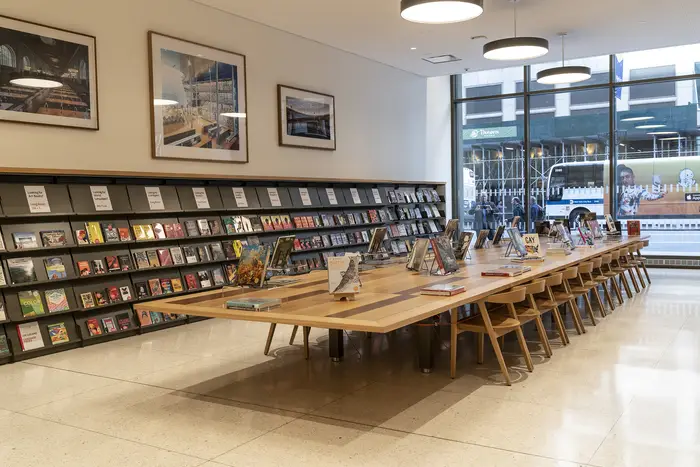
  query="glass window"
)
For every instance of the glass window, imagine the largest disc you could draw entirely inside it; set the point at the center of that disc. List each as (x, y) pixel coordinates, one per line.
(7, 56)
(483, 106)
(592, 96)
(667, 62)
(482, 91)
(489, 82)
(538, 101)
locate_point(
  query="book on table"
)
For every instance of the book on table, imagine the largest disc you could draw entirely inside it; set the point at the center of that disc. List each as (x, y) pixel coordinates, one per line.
(446, 290)
(594, 228)
(344, 274)
(451, 228)
(418, 253)
(280, 256)
(463, 243)
(610, 222)
(533, 249)
(516, 240)
(253, 265)
(481, 239)
(444, 255)
(507, 270)
(634, 228)
(498, 235)
(253, 304)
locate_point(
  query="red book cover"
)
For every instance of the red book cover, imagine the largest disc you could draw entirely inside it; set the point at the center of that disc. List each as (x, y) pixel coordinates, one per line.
(84, 268)
(297, 244)
(169, 230)
(177, 231)
(124, 234)
(113, 294)
(298, 222)
(190, 281)
(634, 228)
(304, 223)
(164, 257)
(373, 216)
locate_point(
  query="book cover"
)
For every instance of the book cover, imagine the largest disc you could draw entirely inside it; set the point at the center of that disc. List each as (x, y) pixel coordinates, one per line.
(230, 270)
(53, 238)
(29, 335)
(123, 321)
(21, 270)
(191, 282)
(144, 318)
(344, 274)
(595, 229)
(2, 243)
(190, 254)
(94, 232)
(237, 248)
(24, 240)
(159, 231)
(217, 252)
(55, 269)
(516, 239)
(277, 222)
(58, 333)
(110, 232)
(81, 237)
(93, 327)
(204, 253)
(87, 300)
(532, 246)
(177, 285)
(124, 234)
(229, 253)
(229, 225)
(217, 276)
(154, 287)
(166, 286)
(164, 257)
(215, 227)
(444, 255)
(420, 250)
(191, 228)
(203, 227)
(3, 314)
(101, 298)
(125, 293)
(481, 239)
(586, 236)
(204, 279)
(112, 263)
(98, 266)
(507, 270)
(634, 228)
(4, 347)
(30, 303)
(152, 256)
(178, 231)
(141, 289)
(141, 260)
(56, 300)
(156, 317)
(253, 265)
(148, 231)
(253, 304)
(176, 255)
(286, 222)
(498, 235)
(109, 325)
(112, 293)
(84, 268)
(139, 232)
(280, 255)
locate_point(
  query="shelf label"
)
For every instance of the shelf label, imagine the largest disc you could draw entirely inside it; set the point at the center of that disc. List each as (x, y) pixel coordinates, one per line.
(331, 196)
(305, 198)
(355, 196)
(100, 198)
(239, 197)
(377, 198)
(36, 199)
(155, 200)
(200, 197)
(274, 197)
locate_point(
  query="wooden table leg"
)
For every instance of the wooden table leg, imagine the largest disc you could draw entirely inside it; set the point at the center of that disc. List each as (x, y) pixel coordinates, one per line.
(294, 334)
(270, 335)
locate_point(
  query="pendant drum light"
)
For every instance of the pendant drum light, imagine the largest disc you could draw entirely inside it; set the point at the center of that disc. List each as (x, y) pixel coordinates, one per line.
(441, 11)
(516, 48)
(564, 74)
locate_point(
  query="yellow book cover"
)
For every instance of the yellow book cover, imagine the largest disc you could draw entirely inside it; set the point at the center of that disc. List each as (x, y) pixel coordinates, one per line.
(237, 248)
(139, 233)
(148, 230)
(94, 232)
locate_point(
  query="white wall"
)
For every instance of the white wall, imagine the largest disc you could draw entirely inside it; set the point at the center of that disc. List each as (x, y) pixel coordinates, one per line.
(381, 111)
(438, 147)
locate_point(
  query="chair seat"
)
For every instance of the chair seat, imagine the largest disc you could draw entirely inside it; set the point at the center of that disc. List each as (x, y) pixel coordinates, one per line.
(608, 275)
(498, 322)
(544, 304)
(526, 314)
(601, 279)
(582, 290)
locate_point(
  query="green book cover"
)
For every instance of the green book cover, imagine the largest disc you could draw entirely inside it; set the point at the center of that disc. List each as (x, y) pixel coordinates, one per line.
(4, 348)
(30, 303)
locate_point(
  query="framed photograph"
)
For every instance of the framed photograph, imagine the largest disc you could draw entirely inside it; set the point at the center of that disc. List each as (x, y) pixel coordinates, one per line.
(307, 118)
(198, 101)
(48, 76)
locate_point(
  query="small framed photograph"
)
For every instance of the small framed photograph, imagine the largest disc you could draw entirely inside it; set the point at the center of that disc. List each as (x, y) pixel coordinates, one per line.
(307, 118)
(48, 76)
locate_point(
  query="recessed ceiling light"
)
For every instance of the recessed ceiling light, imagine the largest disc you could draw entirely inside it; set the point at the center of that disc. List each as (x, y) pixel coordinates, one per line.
(564, 74)
(164, 102)
(413, 48)
(442, 59)
(440, 11)
(516, 48)
(649, 126)
(36, 82)
(637, 119)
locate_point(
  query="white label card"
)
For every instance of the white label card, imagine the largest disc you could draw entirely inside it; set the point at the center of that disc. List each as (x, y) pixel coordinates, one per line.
(200, 197)
(100, 198)
(36, 199)
(330, 192)
(305, 198)
(375, 194)
(155, 200)
(274, 197)
(355, 196)
(239, 197)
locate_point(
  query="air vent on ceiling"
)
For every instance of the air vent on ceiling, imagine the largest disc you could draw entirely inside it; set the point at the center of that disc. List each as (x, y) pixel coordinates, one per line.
(438, 59)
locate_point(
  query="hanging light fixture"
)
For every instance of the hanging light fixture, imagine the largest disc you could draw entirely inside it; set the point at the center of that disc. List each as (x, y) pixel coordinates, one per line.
(441, 11)
(564, 74)
(32, 79)
(516, 48)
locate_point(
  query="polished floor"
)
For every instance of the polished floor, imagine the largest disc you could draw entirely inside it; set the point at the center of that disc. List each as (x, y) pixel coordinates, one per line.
(627, 393)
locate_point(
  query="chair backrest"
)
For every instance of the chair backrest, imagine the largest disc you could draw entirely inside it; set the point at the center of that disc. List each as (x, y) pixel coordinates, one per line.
(606, 259)
(585, 268)
(515, 295)
(624, 251)
(615, 255)
(535, 287)
(570, 273)
(554, 279)
(597, 262)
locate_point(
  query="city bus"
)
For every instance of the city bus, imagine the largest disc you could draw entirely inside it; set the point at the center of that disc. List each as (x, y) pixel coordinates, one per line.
(647, 188)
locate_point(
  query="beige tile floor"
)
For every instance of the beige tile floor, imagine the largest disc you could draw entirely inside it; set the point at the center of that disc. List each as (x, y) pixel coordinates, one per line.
(627, 393)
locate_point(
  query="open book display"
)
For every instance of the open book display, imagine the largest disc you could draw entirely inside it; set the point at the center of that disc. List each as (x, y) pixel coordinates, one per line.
(612, 228)
(481, 240)
(564, 236)
(451, 228)
(416, 260)
(444, 256)
(594, 228)
(516, 245)
(498, 235)
(462, 247)
(344, 276)
(587, 238)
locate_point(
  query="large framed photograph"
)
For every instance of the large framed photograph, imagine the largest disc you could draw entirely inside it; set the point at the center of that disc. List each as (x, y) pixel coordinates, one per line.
(307, 118)
(48, 76)
(198, 101)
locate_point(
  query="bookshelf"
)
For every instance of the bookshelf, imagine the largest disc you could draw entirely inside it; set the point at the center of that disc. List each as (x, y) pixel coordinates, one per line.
(326, 218)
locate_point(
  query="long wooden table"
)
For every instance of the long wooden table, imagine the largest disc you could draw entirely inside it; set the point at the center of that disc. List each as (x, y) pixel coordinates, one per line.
(390, 298)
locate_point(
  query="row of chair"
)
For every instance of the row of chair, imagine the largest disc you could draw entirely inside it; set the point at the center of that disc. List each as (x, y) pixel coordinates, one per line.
(507, 312)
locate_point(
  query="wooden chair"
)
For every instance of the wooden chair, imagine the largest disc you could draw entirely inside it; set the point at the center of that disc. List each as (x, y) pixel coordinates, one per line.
(582, 285)
(610, 273)
(636, 263)
(528, 311)
(548, 302)
(626, 266)
(495, 325)
(564, 296)
(602, 280)
(642, 260)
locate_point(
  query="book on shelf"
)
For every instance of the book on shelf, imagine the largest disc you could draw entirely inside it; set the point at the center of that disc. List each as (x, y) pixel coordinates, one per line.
(159, 231)
(81, 237)
(191, 282)
(125, 293)
(215, 227)
(56, 300)
(3, 281)
(113, 295)
(253, 304)
(217, 252)
(177, 285)
(87, 300)
(30, 303)
(58, 333)
(191, 228)
(3, 313)
(98, 266)
(101, 298)
(164, 257)
(166, 285)
(286, 222)
(445, 290)
(144, 317)
(204, 253)
(153, 261)
(110, 232)
(2, 243)
(253, 265)
(217, 276)
(112, 263)
(230, 270)
(139, 232)
(55, 269)
(84, 268)
(109, 325)
(123, 321)
(141, 260)
(53, 238)
(148, 232)
(277, 222)
(154, 287)
(204, 279)
(30, 337)
(4, 346)
(94, 232)
(255, 223)
(444, 255)
(141, 289)
(156, 317)
(190, 254)
(93, 327)
(124, 234)
(344, 274)
(176, 255)
(24, 240)
(229, 225)
(178, 231)
(507, 270)
(203, 227)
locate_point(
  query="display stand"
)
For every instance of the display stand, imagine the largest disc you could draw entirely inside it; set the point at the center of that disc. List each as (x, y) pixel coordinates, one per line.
(344, 296)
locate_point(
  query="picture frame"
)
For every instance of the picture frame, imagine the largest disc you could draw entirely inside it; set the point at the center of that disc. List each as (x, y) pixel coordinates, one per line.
(48, 75)
(198, 101)
(306, 118)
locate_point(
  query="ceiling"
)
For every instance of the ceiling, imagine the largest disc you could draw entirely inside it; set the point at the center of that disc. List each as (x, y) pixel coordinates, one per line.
(374, 28)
